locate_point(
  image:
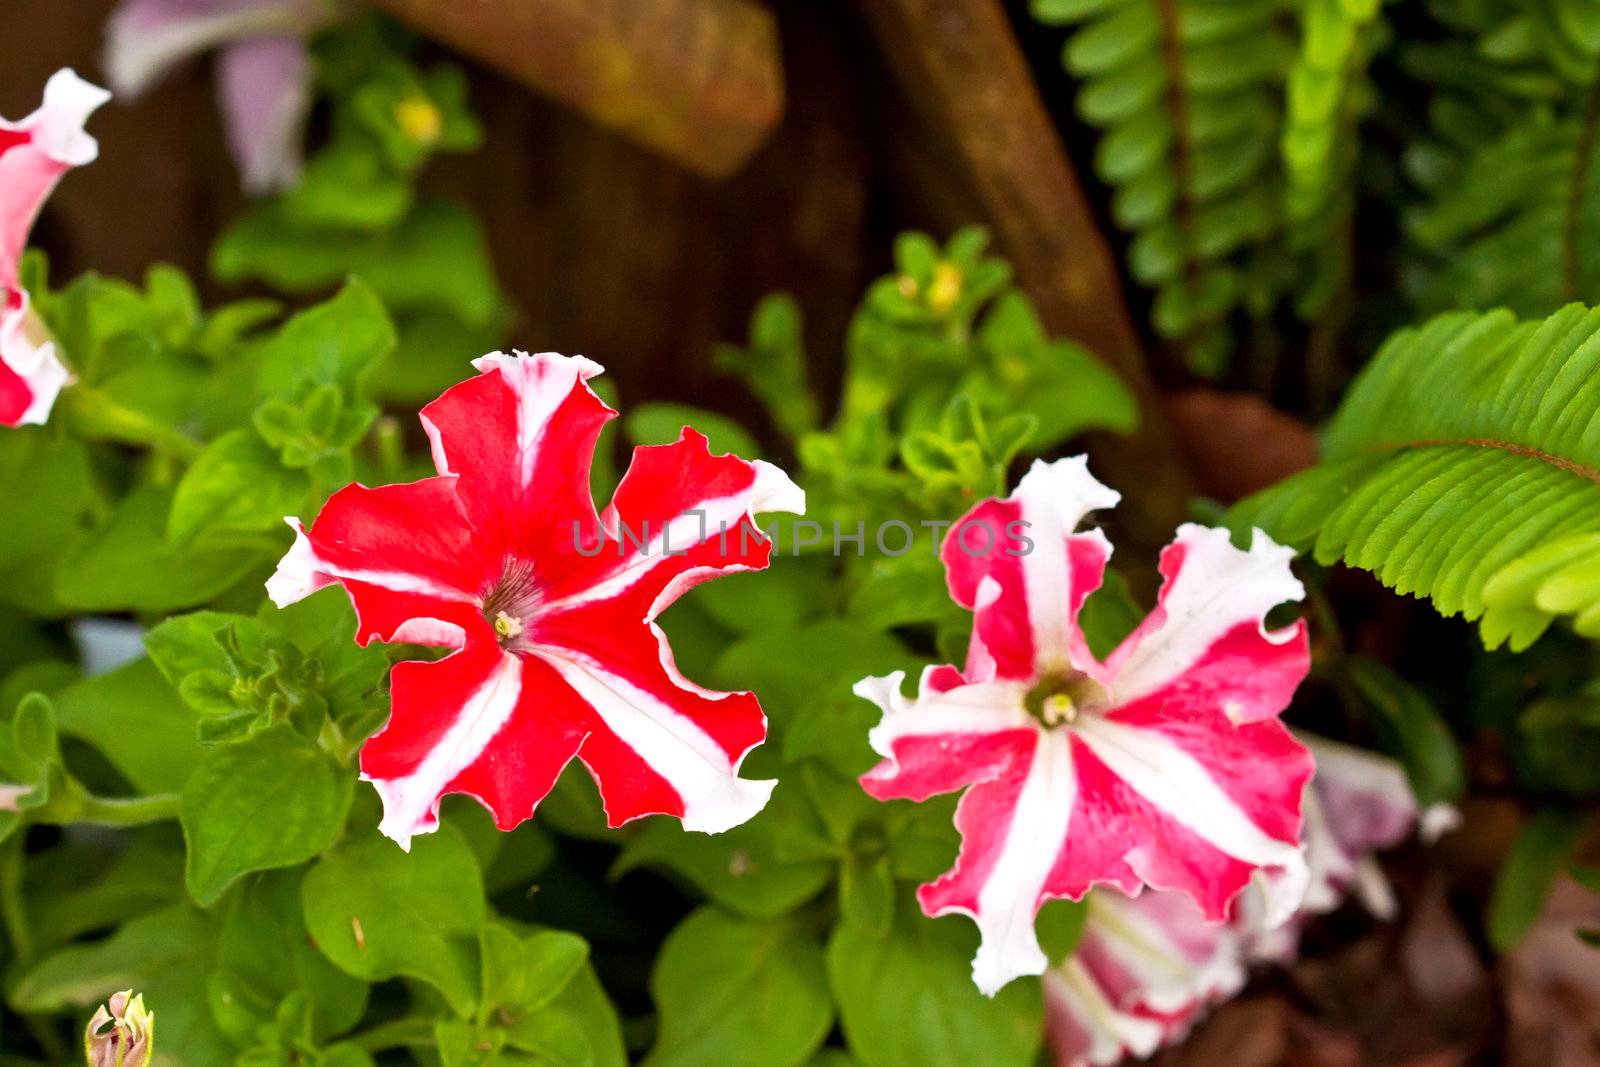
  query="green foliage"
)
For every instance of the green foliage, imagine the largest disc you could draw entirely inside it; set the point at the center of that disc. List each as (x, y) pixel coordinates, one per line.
(739, 992)
(1412, 730)
(274, 800)
(378, 912)
(1187, 96)
(357, 211)
(1528, 874)
(1455, 455)
(1510, 197)
(950, 378)
(1327, 96)
(906, 998)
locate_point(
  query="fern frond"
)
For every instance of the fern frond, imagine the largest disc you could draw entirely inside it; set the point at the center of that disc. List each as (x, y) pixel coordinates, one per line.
(1328, 94)
(1466, 450)
(1187, 96)
(1511, 179)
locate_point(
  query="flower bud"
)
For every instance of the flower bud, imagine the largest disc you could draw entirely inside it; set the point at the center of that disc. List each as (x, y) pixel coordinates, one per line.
(121, 1033)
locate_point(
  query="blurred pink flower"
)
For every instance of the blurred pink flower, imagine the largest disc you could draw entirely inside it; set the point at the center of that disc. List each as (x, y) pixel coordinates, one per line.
(1147, 969)
(263, 71)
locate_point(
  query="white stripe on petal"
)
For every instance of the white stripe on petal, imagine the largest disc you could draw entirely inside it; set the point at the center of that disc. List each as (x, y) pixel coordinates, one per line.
(1010, 895)
(302, 572)
(1217, 588)
(58, 125)
(981, 708)
(541, 383)
(411, 803)
(1102, 1034)
(1054, 499)
(714, 797)
(1180, 787)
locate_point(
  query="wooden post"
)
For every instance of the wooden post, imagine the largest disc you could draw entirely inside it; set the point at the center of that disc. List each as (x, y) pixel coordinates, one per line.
(957, 62)
(700, 81)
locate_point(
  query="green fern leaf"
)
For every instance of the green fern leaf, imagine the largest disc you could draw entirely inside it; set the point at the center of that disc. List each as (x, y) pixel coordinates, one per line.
(1511, 182)
(1464, 455)
(1187, 94)
(1328, 94)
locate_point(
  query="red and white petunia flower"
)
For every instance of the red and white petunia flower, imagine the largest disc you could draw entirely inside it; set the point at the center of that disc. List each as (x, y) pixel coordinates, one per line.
(1145, 969)
(1163, 766)
(34, 154)
(549, 606)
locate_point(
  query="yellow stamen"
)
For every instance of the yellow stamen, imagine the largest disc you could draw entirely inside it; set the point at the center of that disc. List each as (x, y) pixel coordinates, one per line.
(1057, 709)
(507, 626)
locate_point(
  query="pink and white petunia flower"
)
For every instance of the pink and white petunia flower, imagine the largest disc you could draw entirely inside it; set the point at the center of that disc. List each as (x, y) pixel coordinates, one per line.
(1163, 766)
(34, 154)
(1145, 969)
(264, 73)
(1357, 804)
(550, 607)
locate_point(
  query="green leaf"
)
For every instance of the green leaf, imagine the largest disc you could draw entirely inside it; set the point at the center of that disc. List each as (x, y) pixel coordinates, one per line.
(1412, 730)
(379, 912)
(337, 343)
(774, 365)
(522, 975)
(266, 947)
(1528, 874)
(907, 1000)
(743, 869)
(275, 800)
(128, 563)
(236, 486)
(435, 259)
(35, 466)
(732, 992)
(137, 721)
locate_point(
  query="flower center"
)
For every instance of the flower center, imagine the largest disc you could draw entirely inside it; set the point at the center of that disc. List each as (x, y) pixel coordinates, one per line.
(510, 603)
(1058, 698)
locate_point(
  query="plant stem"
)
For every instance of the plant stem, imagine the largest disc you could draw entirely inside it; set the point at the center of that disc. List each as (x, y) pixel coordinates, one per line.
(128, 811)
(400, 1033)
(14, 917)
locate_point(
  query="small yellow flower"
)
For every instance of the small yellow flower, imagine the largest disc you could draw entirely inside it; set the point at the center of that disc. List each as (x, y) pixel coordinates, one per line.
(419, 118)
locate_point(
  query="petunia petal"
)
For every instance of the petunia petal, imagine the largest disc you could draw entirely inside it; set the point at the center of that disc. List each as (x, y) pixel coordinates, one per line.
(34, 154)
(146, 38)
(680, 516)
(949, 738)
(403, 553)
(264, 85)
(1210, 808)
(660, 746)
(1143, 971)
(31, 374)
(1206, 637)
(519, 438)
(480, 721)
(1020, 567)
